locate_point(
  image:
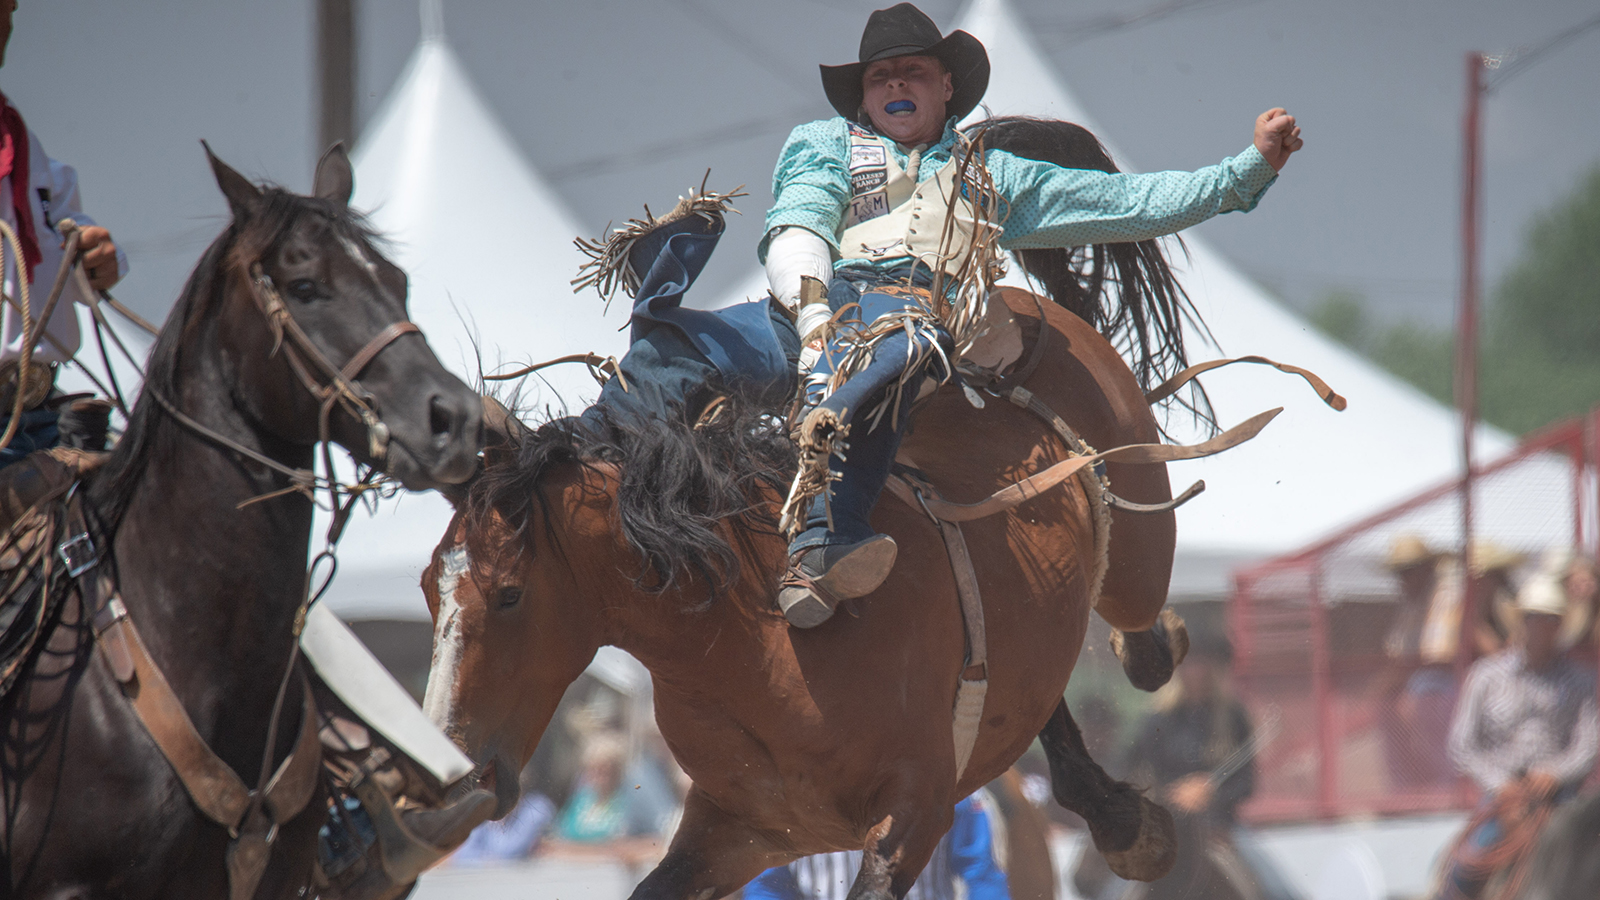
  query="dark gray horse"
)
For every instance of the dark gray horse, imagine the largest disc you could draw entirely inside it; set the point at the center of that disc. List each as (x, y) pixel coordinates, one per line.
(1566, 862)
(213, 578)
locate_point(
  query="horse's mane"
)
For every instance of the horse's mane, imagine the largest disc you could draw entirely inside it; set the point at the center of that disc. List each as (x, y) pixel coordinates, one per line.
(1143, 317)
(678, 481)
(150, 430)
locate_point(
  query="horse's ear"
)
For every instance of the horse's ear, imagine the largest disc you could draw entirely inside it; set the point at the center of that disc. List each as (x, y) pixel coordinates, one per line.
(501, 428)
(243, 197)
(334, 181)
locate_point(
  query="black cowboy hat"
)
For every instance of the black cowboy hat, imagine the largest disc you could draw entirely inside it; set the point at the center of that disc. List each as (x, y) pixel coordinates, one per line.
(904, 30)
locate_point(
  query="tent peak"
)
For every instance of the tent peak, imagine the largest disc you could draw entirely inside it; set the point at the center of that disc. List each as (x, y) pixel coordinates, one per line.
(432, 15)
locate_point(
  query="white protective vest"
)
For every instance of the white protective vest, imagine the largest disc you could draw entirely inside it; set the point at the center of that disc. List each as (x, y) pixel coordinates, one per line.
(892, 216)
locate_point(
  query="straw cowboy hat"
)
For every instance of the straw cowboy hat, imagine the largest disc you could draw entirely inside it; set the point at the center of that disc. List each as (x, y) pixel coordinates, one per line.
(904, 30)
(1543, 596)
(1407, 551)
(1485, 557)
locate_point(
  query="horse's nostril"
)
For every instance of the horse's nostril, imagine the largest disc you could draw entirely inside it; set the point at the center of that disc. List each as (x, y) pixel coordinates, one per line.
(441, 420)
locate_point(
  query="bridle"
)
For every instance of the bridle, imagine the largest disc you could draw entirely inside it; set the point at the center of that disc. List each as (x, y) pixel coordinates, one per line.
(339, 387)
(254, 810)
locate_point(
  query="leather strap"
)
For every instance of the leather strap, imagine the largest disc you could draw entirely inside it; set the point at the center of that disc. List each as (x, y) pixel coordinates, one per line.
(1021, 396)
(1020, 376)
(1169, 387)
(1025, 398)
(215, 788)
(598, 365)
(972, 686)
(352, 369)
(1009, 497)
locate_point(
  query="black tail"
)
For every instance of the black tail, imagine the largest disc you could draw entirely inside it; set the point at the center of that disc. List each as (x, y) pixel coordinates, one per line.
(1144, 317)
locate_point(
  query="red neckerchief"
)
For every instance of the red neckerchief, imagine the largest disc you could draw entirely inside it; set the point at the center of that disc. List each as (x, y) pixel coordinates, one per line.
(14, 163)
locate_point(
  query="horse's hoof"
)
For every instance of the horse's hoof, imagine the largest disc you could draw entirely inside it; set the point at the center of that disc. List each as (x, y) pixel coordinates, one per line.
(1154, 850)
(1149, 657)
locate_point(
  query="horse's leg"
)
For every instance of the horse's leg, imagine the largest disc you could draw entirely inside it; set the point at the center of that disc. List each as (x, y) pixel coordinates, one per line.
(711, 855)
(1147, 638)
(897, 850)
(1134, 835)
(1149, 657)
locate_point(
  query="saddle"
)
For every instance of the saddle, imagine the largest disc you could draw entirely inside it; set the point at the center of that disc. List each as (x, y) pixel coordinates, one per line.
(36, 496)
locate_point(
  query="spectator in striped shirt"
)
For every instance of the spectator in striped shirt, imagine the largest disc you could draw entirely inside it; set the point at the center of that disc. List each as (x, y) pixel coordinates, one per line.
(966, 853)
(1527, 731)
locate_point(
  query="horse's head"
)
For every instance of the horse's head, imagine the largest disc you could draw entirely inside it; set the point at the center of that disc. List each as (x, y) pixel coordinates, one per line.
(579, 534)
(514, 623)
(314, 329)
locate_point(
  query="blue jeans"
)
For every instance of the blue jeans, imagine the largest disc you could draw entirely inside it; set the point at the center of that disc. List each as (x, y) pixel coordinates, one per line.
(862, 474)
(36, 431)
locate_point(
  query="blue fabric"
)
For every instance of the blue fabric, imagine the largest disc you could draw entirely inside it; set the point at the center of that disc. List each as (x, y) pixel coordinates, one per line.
(679, 358)
(739, 340)
(511, 838)
(776, 883)
(1049, 205)
(36, 431)
(972, 853)
(865, 468)
(966, 852)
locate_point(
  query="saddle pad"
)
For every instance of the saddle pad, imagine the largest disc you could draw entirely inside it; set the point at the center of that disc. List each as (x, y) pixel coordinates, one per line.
(30, 592)
(31, 582)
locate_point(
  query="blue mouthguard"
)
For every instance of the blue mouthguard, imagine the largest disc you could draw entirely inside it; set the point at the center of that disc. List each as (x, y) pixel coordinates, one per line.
(900, 106)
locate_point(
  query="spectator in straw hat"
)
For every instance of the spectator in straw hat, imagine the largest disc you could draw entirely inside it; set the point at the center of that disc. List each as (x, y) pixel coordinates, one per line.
(1527, 732)
(1580, 627)
(1417, 687)
(1495, 617)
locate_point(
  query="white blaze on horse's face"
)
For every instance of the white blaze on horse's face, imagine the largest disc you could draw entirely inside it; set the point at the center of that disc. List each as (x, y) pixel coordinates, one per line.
(448, 641)
(361, 258)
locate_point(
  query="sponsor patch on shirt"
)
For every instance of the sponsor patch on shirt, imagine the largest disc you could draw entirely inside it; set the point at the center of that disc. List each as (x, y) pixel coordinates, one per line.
(867, 156)
(865, 182)
(868, 206)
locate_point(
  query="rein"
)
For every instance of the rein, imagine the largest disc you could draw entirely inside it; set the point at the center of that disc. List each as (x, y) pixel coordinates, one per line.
(251, 817)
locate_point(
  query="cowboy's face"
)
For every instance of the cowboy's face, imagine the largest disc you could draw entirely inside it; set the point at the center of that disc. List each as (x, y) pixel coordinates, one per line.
(905, 98)
(1540, 634)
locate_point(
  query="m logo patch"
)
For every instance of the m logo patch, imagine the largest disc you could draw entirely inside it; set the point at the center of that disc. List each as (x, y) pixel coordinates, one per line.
(868, 206)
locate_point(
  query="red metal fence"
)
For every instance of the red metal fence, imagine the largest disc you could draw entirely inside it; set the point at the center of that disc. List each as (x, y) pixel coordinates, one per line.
(1360, 733)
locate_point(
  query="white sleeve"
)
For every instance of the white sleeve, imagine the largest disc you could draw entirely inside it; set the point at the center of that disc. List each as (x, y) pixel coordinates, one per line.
(794, 253)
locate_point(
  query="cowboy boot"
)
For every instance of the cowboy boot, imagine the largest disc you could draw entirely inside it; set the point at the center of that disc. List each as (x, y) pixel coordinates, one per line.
(85, 424)
(820, 577)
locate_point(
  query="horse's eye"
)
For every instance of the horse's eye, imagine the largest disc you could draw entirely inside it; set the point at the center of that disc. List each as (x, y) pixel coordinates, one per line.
(303, 289)
(508, 596)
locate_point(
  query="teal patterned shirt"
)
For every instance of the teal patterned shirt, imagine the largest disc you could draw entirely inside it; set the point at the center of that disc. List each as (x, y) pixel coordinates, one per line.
(1051, 206)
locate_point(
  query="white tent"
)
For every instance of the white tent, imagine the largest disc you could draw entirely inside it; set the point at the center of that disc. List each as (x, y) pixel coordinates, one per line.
(488, 248)
(1313, 469)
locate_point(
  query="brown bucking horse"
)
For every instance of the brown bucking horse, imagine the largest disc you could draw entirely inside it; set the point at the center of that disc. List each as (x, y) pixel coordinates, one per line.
(207, 551)
(661, 540)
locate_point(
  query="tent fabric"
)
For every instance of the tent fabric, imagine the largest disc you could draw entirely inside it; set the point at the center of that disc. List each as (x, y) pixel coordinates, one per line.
(488, 248)
(1313, 469)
